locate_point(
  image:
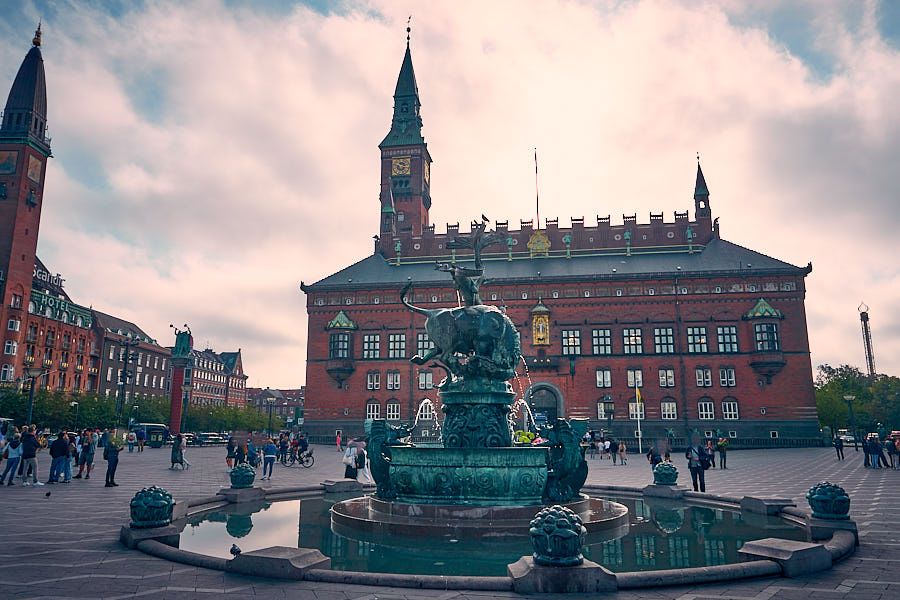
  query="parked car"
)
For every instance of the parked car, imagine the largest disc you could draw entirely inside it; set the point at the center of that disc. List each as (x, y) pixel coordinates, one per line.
(190, 439)
(848, 439)
(210, 438)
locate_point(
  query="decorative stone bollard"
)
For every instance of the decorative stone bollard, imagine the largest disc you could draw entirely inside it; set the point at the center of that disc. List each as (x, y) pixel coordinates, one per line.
(557, 535)
(151, 507)
(665, 473)
(242, 476)
(829, 501)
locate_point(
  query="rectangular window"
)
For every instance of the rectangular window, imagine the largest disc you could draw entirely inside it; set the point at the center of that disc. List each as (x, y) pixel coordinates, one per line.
(373, 380)
(729, 409)
(601, 341)
(635, 410)
(339, 346)
(696, 340)
(109, 374)
(632, 339)
(8, 373)
(635, 378)
(604, 378)
(423, 344)
(571, 342)
(13, 325)
(704, 377)
(16, 301)
(372, 345)
(155, 362)
(601, 410)
(666, 377)
(373, 411)
(112, 352)
(426, 380)
(663, 340)
(10, 347)
(726, 335)
(392, 411)
(668, 410)
(726, 377)
(706, 409)
(397, 345)
(393, 380)
(766, 337)
(154, 381)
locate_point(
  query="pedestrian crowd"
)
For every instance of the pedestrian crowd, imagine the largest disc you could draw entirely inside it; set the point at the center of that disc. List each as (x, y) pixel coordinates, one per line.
(877, 453)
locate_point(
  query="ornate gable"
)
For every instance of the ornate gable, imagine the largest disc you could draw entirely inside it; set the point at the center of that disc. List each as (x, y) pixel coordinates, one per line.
(763, 310)
(341, 321)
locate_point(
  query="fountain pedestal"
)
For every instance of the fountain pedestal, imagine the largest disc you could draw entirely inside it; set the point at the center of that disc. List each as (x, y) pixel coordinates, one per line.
(476, 413)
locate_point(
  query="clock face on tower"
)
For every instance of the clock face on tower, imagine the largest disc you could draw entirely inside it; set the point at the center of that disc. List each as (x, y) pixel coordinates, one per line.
(400, 166)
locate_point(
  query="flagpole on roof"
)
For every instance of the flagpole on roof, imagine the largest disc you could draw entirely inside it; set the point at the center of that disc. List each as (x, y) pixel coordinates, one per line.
(537, 197)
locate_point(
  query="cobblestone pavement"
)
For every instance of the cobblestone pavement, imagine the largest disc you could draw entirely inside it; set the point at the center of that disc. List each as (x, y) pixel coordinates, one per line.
(65, 544)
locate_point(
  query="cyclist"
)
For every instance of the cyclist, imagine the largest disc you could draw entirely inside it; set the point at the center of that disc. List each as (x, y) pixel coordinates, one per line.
(302, 444)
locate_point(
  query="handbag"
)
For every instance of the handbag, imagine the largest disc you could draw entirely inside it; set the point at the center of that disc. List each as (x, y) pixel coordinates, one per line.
(348, 458)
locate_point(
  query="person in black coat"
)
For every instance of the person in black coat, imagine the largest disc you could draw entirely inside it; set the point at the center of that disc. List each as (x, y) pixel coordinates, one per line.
(839, 448)
(698, 462)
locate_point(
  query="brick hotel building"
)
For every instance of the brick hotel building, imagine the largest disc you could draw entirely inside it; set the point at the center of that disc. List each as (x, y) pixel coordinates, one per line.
(713, 334)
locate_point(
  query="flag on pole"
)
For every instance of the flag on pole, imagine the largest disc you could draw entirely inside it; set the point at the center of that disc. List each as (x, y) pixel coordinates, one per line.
(637, 394)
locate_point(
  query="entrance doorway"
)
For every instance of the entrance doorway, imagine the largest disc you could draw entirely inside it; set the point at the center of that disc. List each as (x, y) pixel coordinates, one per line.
(546, 402)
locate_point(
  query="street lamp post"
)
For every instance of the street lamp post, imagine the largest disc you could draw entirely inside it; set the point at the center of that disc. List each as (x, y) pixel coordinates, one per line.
(33, 373)
(270, 402)
(76, 405)
(849, 399)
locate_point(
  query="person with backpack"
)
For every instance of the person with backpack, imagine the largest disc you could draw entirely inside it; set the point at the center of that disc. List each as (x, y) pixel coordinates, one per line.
(131, 439)
(698, 463)
(111, 456)
(653, 457)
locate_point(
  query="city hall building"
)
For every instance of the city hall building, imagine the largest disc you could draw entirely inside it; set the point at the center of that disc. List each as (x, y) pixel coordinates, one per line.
(712, 336)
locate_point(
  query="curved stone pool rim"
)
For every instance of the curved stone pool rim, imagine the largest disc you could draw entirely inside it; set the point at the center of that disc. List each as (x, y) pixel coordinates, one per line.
(840, 545)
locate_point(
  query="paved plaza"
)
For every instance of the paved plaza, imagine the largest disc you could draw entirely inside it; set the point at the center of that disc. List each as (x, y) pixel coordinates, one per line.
(65, 545)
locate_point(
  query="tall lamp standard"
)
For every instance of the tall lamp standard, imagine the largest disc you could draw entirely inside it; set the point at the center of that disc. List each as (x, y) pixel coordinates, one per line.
(76, 406)
(33, 373)
(849, 399)
(270, 402)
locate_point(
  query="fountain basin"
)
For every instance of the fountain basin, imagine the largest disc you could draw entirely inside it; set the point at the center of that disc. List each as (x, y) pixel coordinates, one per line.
(369, 518)
(512, 476)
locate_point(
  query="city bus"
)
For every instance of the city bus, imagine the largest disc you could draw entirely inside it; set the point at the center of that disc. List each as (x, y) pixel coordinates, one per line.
(155, 433)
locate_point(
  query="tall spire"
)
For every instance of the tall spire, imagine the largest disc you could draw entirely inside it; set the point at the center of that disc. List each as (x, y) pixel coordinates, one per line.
(701, 193)
(406, 126)
(25, 115)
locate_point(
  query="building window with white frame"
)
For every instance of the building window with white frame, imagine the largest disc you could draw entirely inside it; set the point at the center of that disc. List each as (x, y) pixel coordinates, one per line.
(601, 410)
(601, 341)
(373, 380)
(426, 412)
(339, 346)
(636, 410)
(13, 325)
(635, 378)
(371, 345)
(730, 410)
(10, 347)
(631, 337)
(726, 336)
(668, 410)
(571, 342)
(426, 380)
(393, 380)
(392, 411)
(663, 340)
(666, 377)
(706, 409)
(7, 373)
(604, 378)
(696, 340)
(373, 410)
(397, 345)
(704, 377)
(766, 337)
(423, 344)
(726, 377)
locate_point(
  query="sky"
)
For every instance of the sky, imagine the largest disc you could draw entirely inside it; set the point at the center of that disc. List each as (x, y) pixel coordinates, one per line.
(211, 154)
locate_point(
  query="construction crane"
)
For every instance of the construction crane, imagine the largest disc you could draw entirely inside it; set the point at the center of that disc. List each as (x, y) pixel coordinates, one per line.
(867, 338)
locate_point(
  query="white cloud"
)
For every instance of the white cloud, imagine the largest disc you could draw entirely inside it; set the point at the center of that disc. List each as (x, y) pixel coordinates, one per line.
(208, 159)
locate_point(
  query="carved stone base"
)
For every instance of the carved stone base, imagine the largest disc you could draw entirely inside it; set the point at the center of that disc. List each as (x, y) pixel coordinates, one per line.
(234, 495)
(278, 562)
(586, 578)
(168, 535)
(795, 558)
(663, 491)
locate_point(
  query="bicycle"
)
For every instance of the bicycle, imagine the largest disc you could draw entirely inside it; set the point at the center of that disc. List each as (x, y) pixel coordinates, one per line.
(306, 459)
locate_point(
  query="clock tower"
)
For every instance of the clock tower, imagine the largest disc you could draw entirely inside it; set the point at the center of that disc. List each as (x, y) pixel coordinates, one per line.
(24, 150)
(405, 195)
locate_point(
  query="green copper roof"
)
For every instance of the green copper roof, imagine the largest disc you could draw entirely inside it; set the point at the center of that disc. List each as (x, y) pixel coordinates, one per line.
(763, 310)
(540, 308)
(341, 321)
(406, 126)
(700, 188)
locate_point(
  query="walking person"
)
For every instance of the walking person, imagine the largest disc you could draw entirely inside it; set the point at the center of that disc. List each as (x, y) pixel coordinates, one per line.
(13, 453)
(177, 457)
(613, 450)
(839, 448)
(653, 457)
(622, 454)
(879, 453)
(184, 461)
(229, 454)
(88, 447)
(270, 453)
(59, 452)
(72, 455)
(132, 439)
(340, 447)
(698, 462)
(141, 438)
(111, 455)
(351, 471)
(722, 447)
(30, 446)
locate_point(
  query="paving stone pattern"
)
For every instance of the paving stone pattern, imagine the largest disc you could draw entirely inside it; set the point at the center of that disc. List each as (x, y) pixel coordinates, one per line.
(66, 545)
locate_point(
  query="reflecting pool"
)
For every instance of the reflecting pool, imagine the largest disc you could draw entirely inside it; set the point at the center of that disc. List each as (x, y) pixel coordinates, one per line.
(662, 535)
